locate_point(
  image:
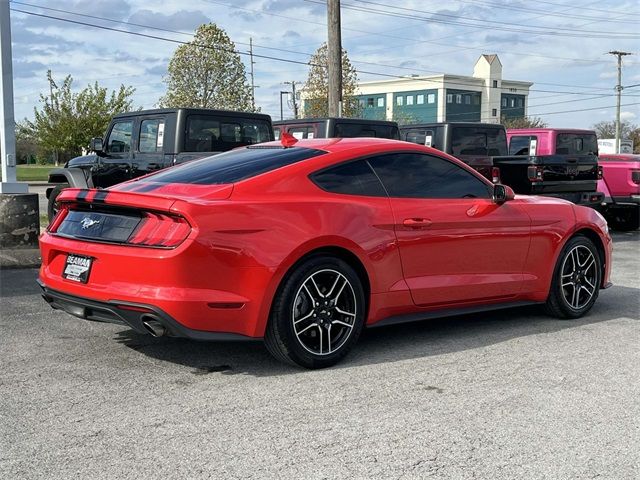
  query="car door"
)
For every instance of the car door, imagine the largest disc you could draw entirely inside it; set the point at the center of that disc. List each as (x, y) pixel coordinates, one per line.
(148, 155)
(456, 245)
(115, 166)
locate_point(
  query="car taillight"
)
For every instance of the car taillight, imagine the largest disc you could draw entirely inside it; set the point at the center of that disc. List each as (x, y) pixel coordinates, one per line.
(600, 172)
(160, 230)
(495, 174)
(534, 173)
(59, 217)
(635, 176)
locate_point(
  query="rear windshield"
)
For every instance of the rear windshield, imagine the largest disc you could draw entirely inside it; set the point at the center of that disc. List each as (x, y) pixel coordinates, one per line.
(480, 141)
(233, 166)
(207, 133)
(576, 144)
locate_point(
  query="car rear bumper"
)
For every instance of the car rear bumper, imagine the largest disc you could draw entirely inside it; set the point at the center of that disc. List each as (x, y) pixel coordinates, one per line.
(141, 317)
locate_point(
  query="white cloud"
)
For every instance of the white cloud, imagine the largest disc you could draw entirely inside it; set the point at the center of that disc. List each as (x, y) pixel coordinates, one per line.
(626, 116)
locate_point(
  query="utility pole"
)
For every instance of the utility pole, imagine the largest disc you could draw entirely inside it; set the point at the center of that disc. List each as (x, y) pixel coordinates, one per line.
(294, 102)
(334, 54)
(7, 119)
(253, 85)
(619, 89)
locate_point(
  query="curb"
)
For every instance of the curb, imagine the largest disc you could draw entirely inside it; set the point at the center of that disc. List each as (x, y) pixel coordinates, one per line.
(20, 258)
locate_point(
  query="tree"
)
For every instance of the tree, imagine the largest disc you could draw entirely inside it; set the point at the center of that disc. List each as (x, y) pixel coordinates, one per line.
(207, 73)
(316, 88)
(606, 129)
(628, 131)
(523, 122)
(27, 150)
(67, 120)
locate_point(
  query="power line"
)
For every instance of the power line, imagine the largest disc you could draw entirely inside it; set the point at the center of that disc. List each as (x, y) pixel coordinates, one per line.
(379, 34)
(546, 13)
(155, 37)
(276, 49)
(554, 31)
(502, 5)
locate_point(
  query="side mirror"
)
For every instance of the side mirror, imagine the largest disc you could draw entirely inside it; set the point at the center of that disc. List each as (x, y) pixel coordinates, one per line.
(502, 193)
(96, 145)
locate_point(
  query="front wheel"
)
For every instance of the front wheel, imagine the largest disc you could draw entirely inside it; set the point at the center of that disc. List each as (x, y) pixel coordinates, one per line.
(317, 315)
(576, 279)
(52, 205)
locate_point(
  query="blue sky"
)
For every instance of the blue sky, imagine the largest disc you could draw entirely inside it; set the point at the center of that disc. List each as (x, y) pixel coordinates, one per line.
(569, 65)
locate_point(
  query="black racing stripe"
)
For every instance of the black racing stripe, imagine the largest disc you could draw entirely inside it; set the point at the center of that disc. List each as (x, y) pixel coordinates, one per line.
(127, 188)
(101, 196)
(82, 195)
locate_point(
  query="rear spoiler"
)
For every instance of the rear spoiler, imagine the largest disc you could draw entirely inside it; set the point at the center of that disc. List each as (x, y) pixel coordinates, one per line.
(115, 198)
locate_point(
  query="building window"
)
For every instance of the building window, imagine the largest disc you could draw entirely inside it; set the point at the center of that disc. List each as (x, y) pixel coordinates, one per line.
(399, 100)
(504, 102)
(467, 99)
(458, 98)
(419, 99)
(513, 102)
(361, 102)
(380, 101)
(494, 112)
(520, 102)
(369, 102)
(495, 84)
(476, 99)
(409, 99)
(431, 98)
(449, 98)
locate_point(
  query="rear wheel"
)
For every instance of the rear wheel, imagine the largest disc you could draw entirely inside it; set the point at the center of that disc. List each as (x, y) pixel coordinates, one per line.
(317, 315)
(576, 279)
(52, 205)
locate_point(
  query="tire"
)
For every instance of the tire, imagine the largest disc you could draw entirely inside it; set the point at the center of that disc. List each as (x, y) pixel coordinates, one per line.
(579, 268)
(624, 219)
(53, 197)
(316, 336)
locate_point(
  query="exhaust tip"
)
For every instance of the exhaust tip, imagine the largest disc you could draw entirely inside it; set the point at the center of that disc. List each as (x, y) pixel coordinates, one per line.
(153, 326)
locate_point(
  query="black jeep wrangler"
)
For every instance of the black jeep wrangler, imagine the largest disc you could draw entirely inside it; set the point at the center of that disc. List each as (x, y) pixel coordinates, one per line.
(137, 143)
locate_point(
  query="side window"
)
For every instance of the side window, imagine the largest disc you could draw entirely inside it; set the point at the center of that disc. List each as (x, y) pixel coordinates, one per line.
(120, 137)
(305, 131)
(519, 145)
(421, 137)
(415, 175)
(276, 133)
(353, 178)
(215, 134)
(151, 136)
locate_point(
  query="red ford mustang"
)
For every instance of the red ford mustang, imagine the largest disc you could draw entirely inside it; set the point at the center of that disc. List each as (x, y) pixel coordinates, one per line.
(303, 244)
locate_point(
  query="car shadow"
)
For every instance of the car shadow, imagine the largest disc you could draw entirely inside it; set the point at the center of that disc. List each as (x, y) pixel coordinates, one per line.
(621, 237)
(387, 344)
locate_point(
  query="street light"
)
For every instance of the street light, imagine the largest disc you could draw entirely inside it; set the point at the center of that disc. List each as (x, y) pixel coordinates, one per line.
(281, 112)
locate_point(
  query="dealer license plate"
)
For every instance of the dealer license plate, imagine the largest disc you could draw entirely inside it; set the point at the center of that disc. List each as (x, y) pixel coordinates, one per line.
(77, 268)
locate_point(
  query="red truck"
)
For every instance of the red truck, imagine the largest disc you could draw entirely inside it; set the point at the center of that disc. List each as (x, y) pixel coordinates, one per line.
(553, 161)
(621, 187)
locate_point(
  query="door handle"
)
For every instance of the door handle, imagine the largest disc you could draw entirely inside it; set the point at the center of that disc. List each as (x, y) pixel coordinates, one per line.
(417, 223)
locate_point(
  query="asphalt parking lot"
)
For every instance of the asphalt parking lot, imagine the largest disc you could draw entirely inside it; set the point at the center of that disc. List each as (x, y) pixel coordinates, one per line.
(503, 395)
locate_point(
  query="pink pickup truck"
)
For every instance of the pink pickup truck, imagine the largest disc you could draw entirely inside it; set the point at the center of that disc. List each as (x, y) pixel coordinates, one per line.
(621, 187)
